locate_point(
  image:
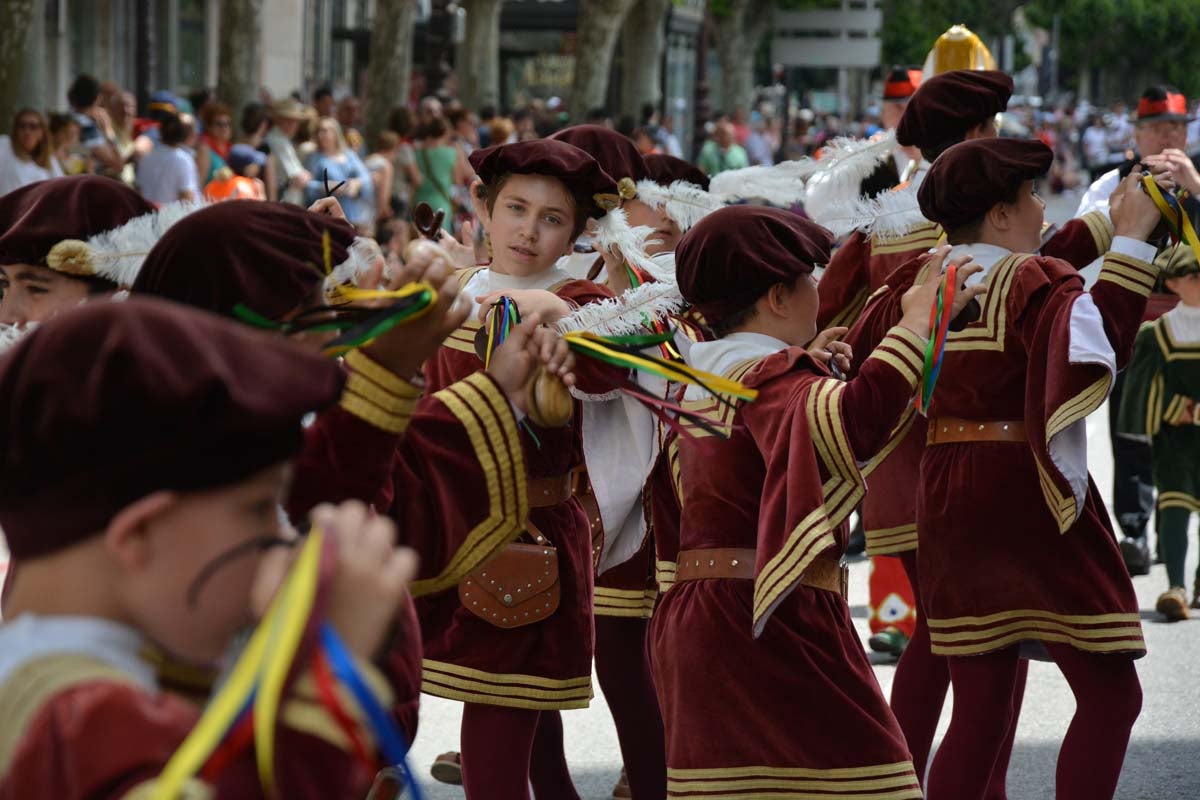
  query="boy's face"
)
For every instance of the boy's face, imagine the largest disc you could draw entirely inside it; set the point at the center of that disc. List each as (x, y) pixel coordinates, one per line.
(1187, 287)
(800, 310)
(188, 586)
(33, 293)
(531, 225)
(666, 234)
(1029, 214)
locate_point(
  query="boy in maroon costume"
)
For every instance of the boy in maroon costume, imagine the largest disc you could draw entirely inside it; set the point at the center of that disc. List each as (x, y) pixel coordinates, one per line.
(946, 109)
(143, 444)
(539, 195)
(430, 463)
(761, 678)
(1015, 387)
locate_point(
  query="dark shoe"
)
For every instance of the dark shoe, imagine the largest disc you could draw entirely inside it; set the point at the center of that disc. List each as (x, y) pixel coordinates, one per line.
(447, 768)
(1136, 555)
(621, 790)
(1173, 604)
(1196, 594)
(889, 640)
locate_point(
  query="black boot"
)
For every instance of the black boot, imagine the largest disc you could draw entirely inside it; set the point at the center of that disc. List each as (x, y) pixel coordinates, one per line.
(1136, 553)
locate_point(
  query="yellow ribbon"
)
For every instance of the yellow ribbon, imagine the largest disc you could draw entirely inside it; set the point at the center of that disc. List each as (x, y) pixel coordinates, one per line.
(258, 665)
(1178, 217)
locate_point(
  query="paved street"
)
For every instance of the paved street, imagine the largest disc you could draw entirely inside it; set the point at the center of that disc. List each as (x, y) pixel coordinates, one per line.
(1164, 755)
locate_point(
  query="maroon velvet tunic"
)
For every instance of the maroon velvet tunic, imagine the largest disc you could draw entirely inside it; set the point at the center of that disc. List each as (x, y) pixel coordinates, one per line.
(78, 728)
(545, 665)
(763, 683)
(857, 271)
(1015, 541)
(436, 465)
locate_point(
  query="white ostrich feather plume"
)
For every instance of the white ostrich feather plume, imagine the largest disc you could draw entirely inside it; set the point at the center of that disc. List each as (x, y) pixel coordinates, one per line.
(625, 315)
(684, 202)
(363, 252)
(613, 229)
(11, 333)
(118, 254)
(833, 192)
(896, 213)
(888, 215)
(780, 185)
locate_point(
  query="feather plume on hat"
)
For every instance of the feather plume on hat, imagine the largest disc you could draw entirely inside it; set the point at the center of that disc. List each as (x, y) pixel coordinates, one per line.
(613, 229)
(117, 255)
(628, 314)
(684, 202)
(833, 194)
(779, 185)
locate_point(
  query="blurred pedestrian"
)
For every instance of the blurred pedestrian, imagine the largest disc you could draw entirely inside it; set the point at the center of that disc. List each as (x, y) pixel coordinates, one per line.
(291, 177)
(83, 95)
(438, 161)
(168, 172)
(26, 156)
(213, 150)
(721, 153)
(122, 111)
(333, 163)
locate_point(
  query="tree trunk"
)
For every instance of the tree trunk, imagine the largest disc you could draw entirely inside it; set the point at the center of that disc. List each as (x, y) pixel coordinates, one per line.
(599, 22)
(391, 61)
(738, 32)
(20, 58)
(642, 41)
(477, 63)
(239, 64)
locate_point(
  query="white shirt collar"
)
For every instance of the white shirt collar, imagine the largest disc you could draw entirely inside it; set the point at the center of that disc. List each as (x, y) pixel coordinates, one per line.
(985, 255)
(1185, 324)
(31, 636)
(719, 356)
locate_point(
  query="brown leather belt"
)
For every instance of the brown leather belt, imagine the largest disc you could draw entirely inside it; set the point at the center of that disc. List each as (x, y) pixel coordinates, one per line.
(948, 430)
(544, 492)
(825, 572)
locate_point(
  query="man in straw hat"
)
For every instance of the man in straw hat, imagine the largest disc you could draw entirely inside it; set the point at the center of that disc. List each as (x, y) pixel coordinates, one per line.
(292, 177)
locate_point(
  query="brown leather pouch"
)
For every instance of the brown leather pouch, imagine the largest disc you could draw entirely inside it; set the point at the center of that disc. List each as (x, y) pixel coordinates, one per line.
(519, 586)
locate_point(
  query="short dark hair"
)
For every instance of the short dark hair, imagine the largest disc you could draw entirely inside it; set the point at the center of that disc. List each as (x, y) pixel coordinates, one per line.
(254, 116)
(739, 318)
(322, 91)
(968, 232)
(172, 130)
(487, 112)
(83, 92)
(400, 121)
(597, 114)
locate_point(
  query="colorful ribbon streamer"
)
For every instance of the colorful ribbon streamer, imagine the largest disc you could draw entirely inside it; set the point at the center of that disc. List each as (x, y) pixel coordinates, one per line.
(1178, 221)
(939, 325)
(247, 705)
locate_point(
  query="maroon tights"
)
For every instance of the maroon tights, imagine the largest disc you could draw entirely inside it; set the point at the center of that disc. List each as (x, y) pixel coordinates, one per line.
(623, 667)
(1108, 698)
(919, 692)
(505, 749)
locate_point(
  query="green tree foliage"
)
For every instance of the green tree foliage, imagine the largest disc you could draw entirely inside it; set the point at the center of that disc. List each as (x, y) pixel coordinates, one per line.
(1134, 42)
(910, 27)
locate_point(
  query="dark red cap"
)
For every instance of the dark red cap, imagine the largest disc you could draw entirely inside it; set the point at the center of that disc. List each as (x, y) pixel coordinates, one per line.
(901, 83)
(114, 401)
(946, 106)
(582, 174)
(38, 216)
(270, 257)
(616, 154)
(968, 179)
(736, 254)
(1162, 103)
(665, 170)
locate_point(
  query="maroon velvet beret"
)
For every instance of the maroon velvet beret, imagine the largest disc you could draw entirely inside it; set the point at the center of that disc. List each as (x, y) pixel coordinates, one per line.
(946, 106)
(616, 154)
(665, 170)
(114, 401)
(269, 257)
(582, 174)
(968, 179)
(38, 216)
(735, 255)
